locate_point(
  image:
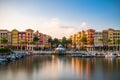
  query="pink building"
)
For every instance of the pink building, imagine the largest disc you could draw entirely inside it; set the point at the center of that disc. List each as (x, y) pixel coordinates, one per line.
(42, 39)
(22, 37)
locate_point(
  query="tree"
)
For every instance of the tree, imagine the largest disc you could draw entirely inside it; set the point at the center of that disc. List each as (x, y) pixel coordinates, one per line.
(21, 43)
(69, 42)
(100, 40)
(83, 40)
(50, 41)
(31, 42)
(4, 40)
(108, 42)
(92, 43)
(117, 41)
(64, 41)
(56, 41)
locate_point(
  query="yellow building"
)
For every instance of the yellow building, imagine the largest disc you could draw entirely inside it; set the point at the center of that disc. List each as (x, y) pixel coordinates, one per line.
(73, 38)
(113, 35)
(76, 39)
(79, 35)
(14, 38)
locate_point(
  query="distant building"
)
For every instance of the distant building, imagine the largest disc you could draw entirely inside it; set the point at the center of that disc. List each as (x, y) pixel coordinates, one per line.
(79, 35)
(90, 38)
(105, 38)
(29, 39)
(98, 40)
(43, 39)
(14, 39)
(46, 37)
(74, 41)
(22, 37)
(7, 34)
(113, 35)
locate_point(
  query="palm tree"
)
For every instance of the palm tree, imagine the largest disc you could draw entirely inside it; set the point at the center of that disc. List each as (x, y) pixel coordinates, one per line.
(4, 41)
(108, 42)
(117, 41)
(69, 42)
(31, 43)
(100, 40)
(56, 42)
(64, 41)
(92, 42)
(21, 43)
(50, 41)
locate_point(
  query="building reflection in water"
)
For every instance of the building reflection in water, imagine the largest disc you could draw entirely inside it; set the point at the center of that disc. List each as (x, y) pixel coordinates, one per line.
(83, 67)
(61, 68)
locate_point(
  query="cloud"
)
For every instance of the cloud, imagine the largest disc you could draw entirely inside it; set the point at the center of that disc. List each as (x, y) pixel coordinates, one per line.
(54, 22)
(12, 18)
(83, 26)
(55, 29)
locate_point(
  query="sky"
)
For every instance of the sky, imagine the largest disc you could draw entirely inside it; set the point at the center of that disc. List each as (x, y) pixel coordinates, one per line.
(59, 18)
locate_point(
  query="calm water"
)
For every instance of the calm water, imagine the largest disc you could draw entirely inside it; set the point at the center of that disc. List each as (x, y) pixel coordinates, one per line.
(61, 68)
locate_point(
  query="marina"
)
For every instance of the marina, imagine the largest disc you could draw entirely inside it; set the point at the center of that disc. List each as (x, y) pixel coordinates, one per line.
(18, 54)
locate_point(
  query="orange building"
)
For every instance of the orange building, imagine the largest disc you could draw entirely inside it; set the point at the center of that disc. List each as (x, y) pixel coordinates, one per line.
(29, 39)
(90, 38)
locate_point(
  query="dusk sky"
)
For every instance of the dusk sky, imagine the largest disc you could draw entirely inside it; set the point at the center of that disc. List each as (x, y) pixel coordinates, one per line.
(59, 18)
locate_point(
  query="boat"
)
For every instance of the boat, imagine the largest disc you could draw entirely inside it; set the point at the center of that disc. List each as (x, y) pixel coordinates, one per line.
(60, 49)
(88, 54)
(3, 59)
(110, 55)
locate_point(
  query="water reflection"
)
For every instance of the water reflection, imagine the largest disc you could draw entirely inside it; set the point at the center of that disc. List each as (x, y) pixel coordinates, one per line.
(61, 68)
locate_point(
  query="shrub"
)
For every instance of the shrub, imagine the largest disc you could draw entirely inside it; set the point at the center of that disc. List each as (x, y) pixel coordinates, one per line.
(4, 51)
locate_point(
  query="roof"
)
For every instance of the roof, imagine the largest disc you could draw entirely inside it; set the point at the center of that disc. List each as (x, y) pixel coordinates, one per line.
(29, 30)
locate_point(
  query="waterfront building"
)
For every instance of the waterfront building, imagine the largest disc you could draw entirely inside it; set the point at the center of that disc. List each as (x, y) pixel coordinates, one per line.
(74, 41)
(7, 34)
(113, 35)
(38, 42)
(41, 40)
(98, 40)
(90, 39)
(105, 39)
(14, 39)
(29, 39)
(9, 38)
(22, 38)
(46, 43)
(79, 35)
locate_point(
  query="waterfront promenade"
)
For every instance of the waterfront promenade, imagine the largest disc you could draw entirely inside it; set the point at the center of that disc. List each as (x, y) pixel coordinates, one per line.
(75, 53)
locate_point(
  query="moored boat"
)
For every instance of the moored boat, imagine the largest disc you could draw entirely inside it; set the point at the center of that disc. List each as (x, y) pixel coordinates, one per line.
(110, 55)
